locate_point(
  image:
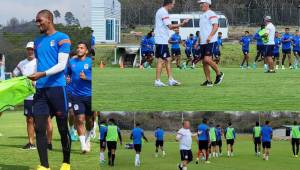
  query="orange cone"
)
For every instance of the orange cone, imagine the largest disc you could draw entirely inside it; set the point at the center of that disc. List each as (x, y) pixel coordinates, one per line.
(101, 65)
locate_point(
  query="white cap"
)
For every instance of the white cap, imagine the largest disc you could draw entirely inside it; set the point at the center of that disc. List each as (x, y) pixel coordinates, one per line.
(30, 44)
(267, 18)
(205, 1)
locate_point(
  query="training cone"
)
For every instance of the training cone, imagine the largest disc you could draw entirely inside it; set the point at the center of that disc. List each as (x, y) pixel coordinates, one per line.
(101, 65)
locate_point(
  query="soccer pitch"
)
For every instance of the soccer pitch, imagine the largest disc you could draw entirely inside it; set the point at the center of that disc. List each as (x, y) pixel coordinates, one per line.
(13, 127)
(130, 89)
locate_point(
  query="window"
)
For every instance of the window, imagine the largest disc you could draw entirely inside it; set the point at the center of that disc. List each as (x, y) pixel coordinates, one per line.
(196, 22)
(189, 24)
(174, 22)
(223, 23)
(110, 29)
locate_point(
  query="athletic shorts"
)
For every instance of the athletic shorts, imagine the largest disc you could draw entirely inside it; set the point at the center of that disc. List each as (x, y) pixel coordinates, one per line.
(295, 141)
(269, 50)
(111, 145)
(219, 143)
(217, 54)
(207, 49)
(137, 147)
(102, 144)
(188, 53)
(175, 51)
(230, 141)
(70, 105)
(50, 101)
(147, 53)
(260, 48)
(245, 52)
(276, 55)
(196, 53)
(213, 143)
(186, 155)
(296, 52)
(28, 108)
(162, 51)
(286, 51)
(257, 141)
(159, 143)
(266, 145)
(203, 144)
(82, 105)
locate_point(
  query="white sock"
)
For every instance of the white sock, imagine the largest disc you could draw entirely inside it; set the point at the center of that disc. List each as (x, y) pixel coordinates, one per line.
(164, 153)
(88, 136)
(214, 154)
(101, 156)
(82, 142)
(228, 153)
(184, 168)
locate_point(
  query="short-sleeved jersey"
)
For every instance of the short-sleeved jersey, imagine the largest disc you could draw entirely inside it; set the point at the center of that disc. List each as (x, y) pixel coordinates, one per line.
(259, 41)
(162, 20)
(266, 133)
(288, 38)
(159, 134)
(185, 139)
(270, 30)
(203, 133)
(176, 39)
(81, 87)
(102, 130)
(137, 135)
(277, 45)
(219, 134)
(296, 43)
(147, 44)
(189, 44)
(207, 19)
(245, 40)
(47, 48)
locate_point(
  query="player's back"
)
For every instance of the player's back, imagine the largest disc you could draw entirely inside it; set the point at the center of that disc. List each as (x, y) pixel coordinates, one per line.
(203, 132)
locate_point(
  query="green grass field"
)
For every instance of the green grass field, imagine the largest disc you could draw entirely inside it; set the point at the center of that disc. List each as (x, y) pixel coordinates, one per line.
(13, 127)
(243, 90)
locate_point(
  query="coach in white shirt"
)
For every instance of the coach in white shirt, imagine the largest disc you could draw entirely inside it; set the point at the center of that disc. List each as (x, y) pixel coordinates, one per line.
(270, 33)
(162, 26)
(208, 41)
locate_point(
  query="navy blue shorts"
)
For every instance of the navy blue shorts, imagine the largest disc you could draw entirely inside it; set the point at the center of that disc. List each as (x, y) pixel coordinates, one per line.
(245, 52)
(296, 52)
(269, 50)
(207, 49)
(196, 53)
(175, 51)
(276, 55)
(28, 108)
(82, 105)
(50, 101)
(260, 48)
(147, 53)
(286, 51)
(162, 51)
(217, 54)
(188, 53)
(69, 97)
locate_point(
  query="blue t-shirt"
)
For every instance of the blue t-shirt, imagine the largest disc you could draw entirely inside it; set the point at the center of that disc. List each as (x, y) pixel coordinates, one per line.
(296, 43)
(259, 41)
(137, 135)
(176, 39)
(266, 132)
(286, 45)
(203, 129)
(159, 134)
(245, 40)
(147, 44)
(102, 129)
(219, 43)
(189, 44)
(69, 85)
(195, 41)
(277, 45)
(47, 48)
(219, 134)
(81, 87)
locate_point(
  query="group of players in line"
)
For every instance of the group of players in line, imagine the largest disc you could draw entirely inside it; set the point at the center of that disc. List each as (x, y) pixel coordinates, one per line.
(209, 140)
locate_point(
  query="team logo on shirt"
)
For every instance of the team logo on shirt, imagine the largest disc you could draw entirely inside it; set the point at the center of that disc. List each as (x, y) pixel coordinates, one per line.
(52, 43)
(76, 107)
(86, 66)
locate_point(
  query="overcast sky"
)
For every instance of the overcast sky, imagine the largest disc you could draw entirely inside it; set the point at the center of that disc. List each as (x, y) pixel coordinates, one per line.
(27, 9)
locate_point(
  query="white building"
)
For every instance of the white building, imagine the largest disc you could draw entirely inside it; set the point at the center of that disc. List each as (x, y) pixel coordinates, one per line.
(106, 20)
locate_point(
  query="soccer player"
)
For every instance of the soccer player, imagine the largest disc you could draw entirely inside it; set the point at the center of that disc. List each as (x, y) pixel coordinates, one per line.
(276, 49)
(259, 45)
(286, 41)
(203, 140)
(256, 138)
(266, 137)
(296, 48)
(80, 71)
(219, 140)
(213, 140)
(52, 50)
(188, 44)
(295, 134)
(175, 41)
(269, 48)
(196, 50)
(184, 136)
(103, 130)
(147, 48)
(230, 137)
(136, 135)
(159, 143)
(217, 51)
(162, 26)
(208, 39)
(111, 136)
(245, 42)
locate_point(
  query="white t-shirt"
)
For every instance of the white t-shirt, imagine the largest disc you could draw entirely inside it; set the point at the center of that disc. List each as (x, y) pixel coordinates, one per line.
(270, 29)
(185, 139)
(207, 19)
(161, 31)
(25, 68)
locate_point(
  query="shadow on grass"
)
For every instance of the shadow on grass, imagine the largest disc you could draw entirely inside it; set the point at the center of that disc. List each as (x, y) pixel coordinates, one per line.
(13, 167)
(11, 146)
(18, 137)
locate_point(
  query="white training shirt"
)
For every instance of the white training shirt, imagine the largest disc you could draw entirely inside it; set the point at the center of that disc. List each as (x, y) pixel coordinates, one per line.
(270, 29)
(185, 139)
(207, 19)
(25, 68)
(161, 31)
